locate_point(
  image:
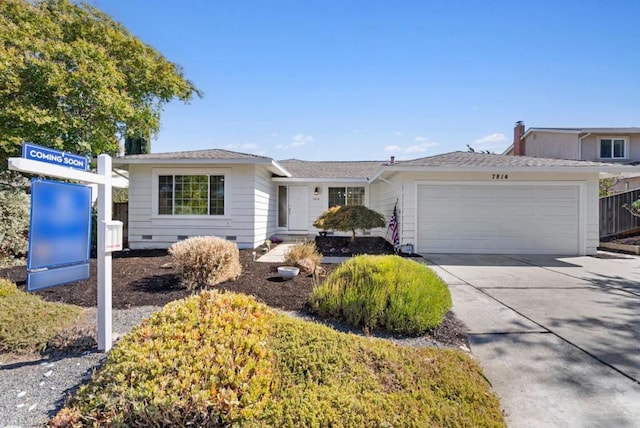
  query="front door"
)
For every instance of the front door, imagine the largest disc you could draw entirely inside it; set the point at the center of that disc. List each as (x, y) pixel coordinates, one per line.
(298, 208)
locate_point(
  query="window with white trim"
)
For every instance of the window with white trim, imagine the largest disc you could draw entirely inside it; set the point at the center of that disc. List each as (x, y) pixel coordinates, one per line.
(613, 148)
(346, 196)
(191, 194)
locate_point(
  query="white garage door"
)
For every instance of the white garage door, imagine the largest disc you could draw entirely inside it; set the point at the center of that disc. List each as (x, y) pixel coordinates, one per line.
(490, 218)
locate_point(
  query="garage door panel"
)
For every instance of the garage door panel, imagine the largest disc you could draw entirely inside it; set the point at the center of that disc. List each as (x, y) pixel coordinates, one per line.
(490, 218)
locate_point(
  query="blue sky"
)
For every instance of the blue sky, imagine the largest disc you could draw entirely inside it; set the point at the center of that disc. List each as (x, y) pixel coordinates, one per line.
(363, 80)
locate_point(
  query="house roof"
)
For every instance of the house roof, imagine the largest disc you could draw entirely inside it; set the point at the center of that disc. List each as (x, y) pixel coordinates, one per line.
(194, 154)
(354, 170)
(628, 130)
(367, 171)
(467, 159)
(209, 156)
(475, 162)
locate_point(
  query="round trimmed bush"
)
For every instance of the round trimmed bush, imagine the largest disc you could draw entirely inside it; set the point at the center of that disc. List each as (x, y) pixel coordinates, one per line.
(390, 292)
(206, 260)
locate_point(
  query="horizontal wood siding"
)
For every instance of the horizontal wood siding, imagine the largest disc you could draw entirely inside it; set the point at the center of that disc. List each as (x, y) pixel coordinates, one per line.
(615, 220)
(238, 221)
(265, 209)
(386, 195)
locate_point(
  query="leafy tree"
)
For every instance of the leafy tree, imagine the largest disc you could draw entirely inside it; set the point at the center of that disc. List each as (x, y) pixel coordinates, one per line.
(633, 208)
(606, 186)
(349, 219)
(73, 79)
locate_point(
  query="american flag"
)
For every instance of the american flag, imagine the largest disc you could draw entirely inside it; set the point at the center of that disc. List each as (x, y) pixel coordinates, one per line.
(393, 225)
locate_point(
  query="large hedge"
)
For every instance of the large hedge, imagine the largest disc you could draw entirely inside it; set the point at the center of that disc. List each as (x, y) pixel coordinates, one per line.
(15, 209)
(226, 360)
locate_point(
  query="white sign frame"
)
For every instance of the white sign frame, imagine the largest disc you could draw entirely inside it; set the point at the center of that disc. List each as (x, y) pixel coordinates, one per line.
(104, 261)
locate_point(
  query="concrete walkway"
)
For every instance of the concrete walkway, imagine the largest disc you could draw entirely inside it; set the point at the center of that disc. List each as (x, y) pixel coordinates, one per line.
(276, 255)
(558, 338)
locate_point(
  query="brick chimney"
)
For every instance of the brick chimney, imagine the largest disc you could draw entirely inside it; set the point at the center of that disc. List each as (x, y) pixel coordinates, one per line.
(518, 142)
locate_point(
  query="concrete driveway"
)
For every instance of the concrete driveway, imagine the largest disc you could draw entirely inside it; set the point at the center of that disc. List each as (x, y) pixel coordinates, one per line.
(558, 337)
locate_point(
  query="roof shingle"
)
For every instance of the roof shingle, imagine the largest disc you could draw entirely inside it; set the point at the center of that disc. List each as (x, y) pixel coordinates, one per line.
(197, 154)
(329, 169)
(467, 159)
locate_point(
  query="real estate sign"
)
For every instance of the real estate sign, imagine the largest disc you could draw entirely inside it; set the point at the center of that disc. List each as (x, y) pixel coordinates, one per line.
(59, 233)
(52, 156)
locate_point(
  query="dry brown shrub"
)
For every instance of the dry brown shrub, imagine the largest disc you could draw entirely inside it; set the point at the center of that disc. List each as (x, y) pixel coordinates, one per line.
(205, 261)
(306, 265)
(74, 339)
(306, 251)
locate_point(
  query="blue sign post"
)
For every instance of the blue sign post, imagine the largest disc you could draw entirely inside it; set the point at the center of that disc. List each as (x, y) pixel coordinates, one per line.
(59, 234)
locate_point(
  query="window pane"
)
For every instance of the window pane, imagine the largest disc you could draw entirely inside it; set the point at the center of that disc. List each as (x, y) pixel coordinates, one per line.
(282, 206)
(190, 196)
(216, 195)
(336, 196)
(605, 148)
(165, 194)
(355, 195)
(618, 148)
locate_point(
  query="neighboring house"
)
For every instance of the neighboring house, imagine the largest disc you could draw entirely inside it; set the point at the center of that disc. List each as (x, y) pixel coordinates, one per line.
(612, 145)
(450, 203)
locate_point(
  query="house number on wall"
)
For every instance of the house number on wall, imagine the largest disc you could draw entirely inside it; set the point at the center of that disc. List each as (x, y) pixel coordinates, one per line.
(500, 176)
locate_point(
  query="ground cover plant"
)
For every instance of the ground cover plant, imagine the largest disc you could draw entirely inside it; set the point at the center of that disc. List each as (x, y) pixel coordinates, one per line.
(28, 323)
(389, 292)
(224, 359)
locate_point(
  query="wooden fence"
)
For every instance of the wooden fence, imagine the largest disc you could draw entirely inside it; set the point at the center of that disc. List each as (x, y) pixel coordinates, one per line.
(615, 220)
(121, 212)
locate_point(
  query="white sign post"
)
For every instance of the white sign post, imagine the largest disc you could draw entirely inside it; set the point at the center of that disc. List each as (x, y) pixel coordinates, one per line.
(103, 180)
(104, 257)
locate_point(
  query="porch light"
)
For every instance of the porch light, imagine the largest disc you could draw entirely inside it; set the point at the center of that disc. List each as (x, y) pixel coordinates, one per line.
(316, 191)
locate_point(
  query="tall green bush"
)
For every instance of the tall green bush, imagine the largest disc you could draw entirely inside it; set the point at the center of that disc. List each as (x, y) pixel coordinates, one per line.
(389, 292)
(14, 224)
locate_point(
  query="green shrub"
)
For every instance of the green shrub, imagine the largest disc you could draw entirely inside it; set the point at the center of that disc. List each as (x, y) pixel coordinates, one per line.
(28, 323)
(388, 292)
(349, 219)
(226, 360)
(304, 255)
(14, 224)
(206, 260)
(202, 361)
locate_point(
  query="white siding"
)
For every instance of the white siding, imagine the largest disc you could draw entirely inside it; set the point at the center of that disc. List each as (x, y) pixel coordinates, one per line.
(242, 187)
(385, 194)
(265, 210)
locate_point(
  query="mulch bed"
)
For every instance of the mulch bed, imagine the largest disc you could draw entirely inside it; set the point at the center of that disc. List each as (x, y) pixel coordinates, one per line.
(147, 278)
(344, 246)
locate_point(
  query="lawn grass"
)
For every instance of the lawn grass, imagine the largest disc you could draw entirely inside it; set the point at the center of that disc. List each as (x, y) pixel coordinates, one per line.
(28, 323)
(226, 360)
